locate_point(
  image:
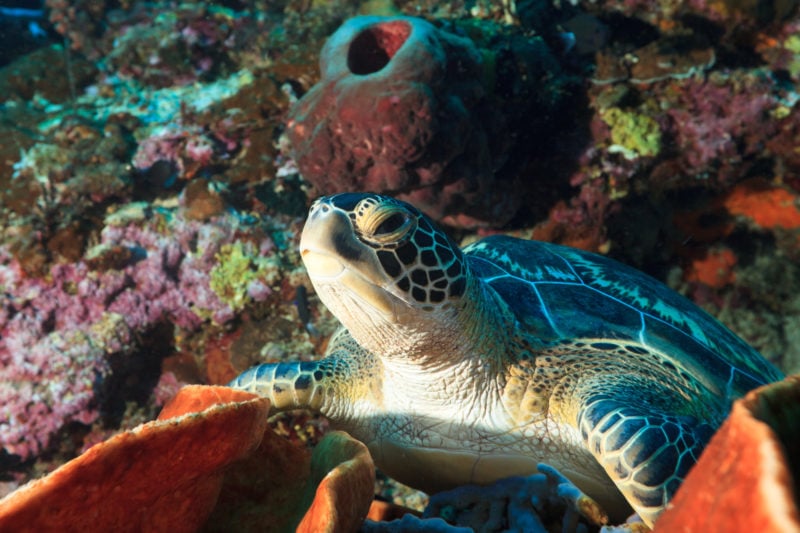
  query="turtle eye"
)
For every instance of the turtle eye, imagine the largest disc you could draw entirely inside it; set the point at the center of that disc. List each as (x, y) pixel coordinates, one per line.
(392, 224)
(384, 223)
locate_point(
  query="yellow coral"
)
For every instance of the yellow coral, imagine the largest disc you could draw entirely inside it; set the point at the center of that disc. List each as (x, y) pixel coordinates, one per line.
(237, 268)
(792, 44)
(633, 134)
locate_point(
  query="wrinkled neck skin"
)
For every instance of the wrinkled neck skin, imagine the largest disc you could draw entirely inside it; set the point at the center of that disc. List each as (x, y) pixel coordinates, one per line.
(453, 355)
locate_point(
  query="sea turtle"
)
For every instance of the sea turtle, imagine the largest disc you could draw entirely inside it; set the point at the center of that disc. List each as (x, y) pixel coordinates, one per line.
(468, 366)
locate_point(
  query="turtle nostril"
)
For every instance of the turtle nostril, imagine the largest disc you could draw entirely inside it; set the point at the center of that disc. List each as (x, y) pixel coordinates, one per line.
(318, 209)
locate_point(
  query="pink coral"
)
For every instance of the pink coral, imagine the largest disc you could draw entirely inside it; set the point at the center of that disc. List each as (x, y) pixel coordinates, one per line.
(719, 123)
(58, 334)
(48, 367)
(188, 149)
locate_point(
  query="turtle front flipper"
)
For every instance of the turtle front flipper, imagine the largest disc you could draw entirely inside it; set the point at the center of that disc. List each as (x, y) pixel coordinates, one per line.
(331, 386)
(294, 385)
(646, 452)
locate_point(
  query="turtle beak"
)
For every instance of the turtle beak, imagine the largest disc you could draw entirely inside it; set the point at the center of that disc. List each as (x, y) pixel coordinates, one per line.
(328, 243)
(337, 262)
(329, 231)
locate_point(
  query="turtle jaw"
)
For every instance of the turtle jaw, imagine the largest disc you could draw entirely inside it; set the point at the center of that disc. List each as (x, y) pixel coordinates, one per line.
(344, 271)
(330, 277)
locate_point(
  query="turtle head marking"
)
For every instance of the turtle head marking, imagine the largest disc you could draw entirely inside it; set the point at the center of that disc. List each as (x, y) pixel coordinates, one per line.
(371, 254)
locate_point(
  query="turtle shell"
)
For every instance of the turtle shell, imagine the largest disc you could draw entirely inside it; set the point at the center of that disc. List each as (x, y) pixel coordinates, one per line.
(559, 293)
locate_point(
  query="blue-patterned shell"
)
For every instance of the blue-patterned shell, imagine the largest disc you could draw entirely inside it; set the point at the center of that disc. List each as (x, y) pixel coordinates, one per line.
(557, 292)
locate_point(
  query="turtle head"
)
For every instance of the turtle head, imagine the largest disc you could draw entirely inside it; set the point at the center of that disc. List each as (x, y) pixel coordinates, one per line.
(376, 261)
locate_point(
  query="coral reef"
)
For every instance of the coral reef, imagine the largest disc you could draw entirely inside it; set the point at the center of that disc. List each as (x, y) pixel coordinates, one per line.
(117, 223)
(64, 337)
(150, 175)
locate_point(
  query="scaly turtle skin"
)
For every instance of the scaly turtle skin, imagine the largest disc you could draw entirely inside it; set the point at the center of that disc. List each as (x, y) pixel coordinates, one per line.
(460, 367)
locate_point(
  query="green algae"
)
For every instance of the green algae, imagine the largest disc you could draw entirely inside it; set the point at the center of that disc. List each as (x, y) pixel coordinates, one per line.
(634, 134)
(237, 269)
(792, 44)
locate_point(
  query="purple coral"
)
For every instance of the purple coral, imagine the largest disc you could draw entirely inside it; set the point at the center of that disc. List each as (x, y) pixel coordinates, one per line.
(58, 334)
(720, 123)
(48, 366)
(186, 149)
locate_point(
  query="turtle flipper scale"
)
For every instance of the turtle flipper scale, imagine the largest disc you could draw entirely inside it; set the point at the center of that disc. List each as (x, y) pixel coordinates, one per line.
(646, 453)
(293, 385)
(328, 386)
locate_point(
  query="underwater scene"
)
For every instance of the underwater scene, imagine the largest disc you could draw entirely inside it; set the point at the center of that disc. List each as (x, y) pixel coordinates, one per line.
(389, 266)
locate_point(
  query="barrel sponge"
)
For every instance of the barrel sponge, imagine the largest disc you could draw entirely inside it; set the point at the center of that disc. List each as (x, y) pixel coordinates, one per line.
(396, 111)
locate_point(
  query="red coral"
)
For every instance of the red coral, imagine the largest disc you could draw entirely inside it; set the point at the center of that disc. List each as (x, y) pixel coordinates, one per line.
(715, 268)
(765, 205)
